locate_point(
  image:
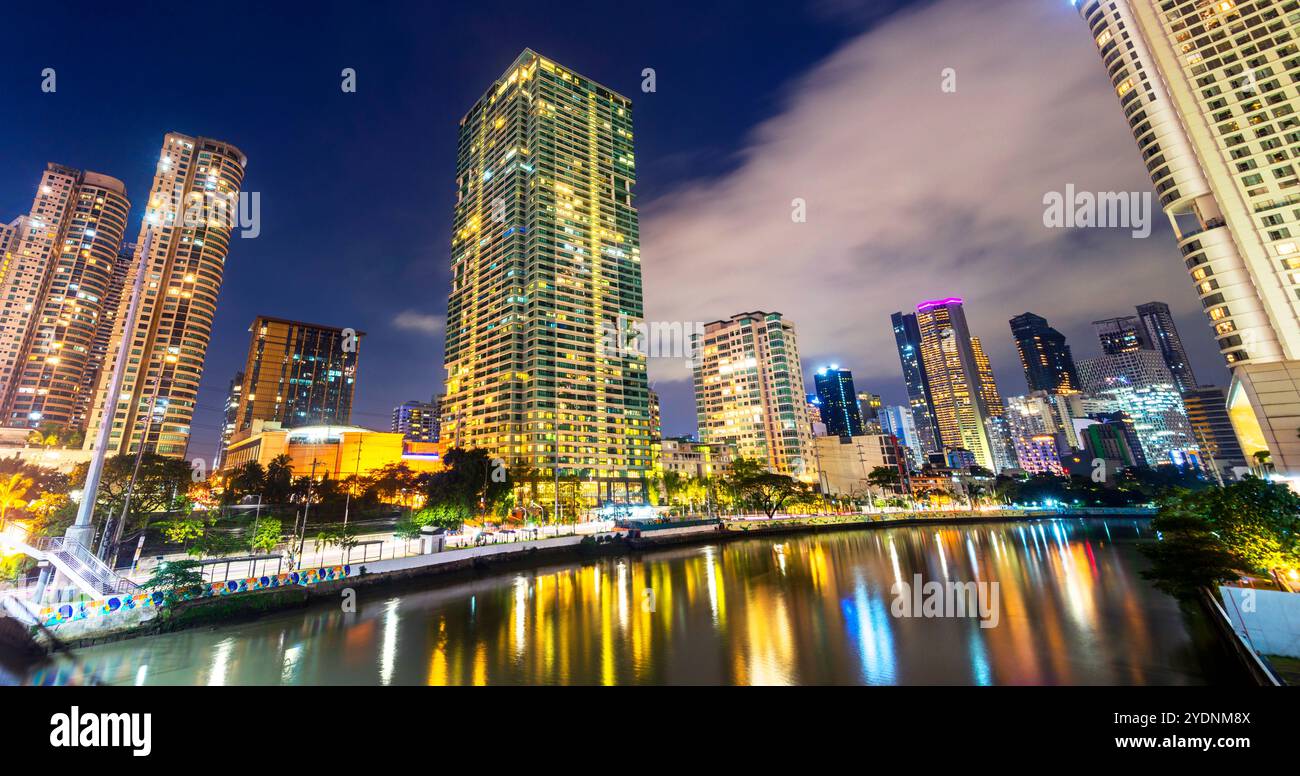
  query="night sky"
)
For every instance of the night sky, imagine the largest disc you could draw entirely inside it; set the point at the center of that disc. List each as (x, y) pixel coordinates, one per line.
(357, 189)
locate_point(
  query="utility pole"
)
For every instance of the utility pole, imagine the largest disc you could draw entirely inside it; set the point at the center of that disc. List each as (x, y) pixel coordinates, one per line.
(306, 510)
(82, 531)
(356, 477)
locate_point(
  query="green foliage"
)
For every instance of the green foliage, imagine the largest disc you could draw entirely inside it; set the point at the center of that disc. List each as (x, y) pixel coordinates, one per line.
(1257, 521)
(266, 535)
(182, 530)
(764, 490)
(278, 480)
(337, 535)
(175, 578)
(471, 484)
(160, 486)
(1188, 556)
(408, 528)
(213, 544)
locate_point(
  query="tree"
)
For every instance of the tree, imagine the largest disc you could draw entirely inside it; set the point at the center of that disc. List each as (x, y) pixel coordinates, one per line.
(266, 535)
(278, 480)
(342, 536)
(215, 544)
(468, 485)
(1255, 520)
(13, 492)
(1188, 555)
(249, 479)
(176, 578)
(161, 484)
(768, 491)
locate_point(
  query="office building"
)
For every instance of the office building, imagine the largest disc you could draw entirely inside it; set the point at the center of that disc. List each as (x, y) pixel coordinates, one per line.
(229, 418)
(1207, 411)
(962, 391)
(1162, 334)
(838, 401)
(907, 338)
(1046, 358)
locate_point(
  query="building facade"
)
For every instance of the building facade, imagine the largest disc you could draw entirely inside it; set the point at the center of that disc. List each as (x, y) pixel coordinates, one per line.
(1162, 334)
(298, 374)
(907, 338)
(963, 394)
(1207, 411)
(190, 214)
(416, 421)
(1210, 92)
(847, 462)
(749, 392)
(1047, 361)
(545, 262)
(54, 294)
(838, 401)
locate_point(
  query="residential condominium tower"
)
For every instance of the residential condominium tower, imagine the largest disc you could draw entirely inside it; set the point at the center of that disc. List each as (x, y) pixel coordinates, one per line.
(1210, 91)
(185, 235)
(54, 293)
(545, 263)
(749, 392)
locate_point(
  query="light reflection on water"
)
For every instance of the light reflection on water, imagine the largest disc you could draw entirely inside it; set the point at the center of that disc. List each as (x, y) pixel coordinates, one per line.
(812, 609)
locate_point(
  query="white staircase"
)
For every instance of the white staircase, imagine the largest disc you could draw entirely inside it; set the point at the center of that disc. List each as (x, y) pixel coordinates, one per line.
(90, 574)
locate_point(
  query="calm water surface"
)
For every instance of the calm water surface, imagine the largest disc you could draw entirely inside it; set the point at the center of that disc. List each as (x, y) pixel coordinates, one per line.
(811, 609)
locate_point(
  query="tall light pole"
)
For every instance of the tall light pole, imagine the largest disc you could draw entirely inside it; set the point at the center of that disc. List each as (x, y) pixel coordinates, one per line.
(81, 531)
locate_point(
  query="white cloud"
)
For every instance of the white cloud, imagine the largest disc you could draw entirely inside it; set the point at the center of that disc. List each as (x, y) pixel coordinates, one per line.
(913, 193)
(410, 320)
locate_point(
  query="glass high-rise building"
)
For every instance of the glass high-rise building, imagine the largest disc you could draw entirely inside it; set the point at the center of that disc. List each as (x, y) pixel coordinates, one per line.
(907, 337)
(838, 402)
(1123, 334)
(1210, 91)
(54, 296)
(1046, 358)
(190, 213)
(965, 399)
(545, 264)
(1162, 334)
(297, 374)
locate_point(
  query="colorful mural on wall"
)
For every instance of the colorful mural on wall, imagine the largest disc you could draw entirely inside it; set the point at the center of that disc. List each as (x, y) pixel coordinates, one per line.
(58, 614)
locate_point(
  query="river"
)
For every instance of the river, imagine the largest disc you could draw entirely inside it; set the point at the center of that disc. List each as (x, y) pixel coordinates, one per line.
(1069, 607)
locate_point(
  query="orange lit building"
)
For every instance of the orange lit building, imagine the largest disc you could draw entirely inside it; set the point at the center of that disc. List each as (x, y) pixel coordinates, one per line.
(336, 452)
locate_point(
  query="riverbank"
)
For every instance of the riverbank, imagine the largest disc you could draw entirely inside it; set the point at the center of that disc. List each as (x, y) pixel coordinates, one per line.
(452, 565)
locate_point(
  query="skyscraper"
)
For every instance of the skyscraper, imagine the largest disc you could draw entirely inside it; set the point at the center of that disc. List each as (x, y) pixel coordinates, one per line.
(1208, 91)
(54, 290)
(545, 262)
(1207, 411)
(229, 418)
(749, 392)
(1162, 334)
(838, 401)
(1123, 334)
(908, 339)
(964, 396)
(297, 374)
(1046, 358)
(188, 221)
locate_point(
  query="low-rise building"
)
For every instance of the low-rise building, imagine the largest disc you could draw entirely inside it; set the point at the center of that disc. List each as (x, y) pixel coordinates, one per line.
(847, 462)
(331, 451)
(693, 459)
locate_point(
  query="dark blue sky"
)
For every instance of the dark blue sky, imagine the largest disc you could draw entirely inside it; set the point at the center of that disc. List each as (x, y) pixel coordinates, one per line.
(357, 188)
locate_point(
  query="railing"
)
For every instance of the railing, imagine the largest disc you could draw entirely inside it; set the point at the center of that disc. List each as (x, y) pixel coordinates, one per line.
(83, 563)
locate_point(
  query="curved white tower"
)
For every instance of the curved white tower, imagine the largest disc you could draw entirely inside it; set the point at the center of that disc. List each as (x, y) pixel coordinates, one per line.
(1209, 89)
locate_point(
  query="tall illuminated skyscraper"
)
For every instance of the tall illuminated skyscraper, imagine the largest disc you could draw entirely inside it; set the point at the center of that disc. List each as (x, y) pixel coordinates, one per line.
(53, 295)
(189, 218)
(838, 401)
(1209, 89)
(545, 263)
(907, 337)
(1162, 333)
(966, 403)
(749, 392)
